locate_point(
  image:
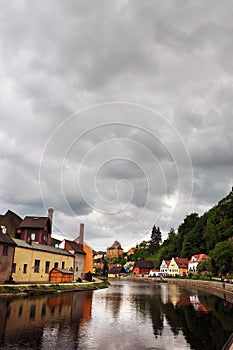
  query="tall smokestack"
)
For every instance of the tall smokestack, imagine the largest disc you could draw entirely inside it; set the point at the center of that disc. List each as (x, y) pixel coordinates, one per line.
(50, 216)
(81, 232)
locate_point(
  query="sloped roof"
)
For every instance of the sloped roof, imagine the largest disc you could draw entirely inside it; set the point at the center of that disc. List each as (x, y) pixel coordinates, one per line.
(10, 220)
(116, 244)
(76, 247)
(36, 246)
(198, 257)
(182, 262)
(117, 269)
(167, 262)
(4, 238)
(144, 264)
(35, 222)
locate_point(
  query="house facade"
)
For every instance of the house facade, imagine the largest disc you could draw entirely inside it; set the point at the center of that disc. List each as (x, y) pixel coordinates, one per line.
(36, 229)
(116, 272)
(89, 253)
(33, 262)
(164, 267)
(79, 257)
(7, 248)
(194, 261)
(142, 267)
(178, 266)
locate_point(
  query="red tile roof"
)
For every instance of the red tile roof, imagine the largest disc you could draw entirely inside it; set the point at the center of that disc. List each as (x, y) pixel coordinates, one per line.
(198, 257)
(182, 262)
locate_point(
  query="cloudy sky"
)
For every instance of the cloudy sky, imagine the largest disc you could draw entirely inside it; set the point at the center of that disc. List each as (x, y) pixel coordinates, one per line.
(116, 113)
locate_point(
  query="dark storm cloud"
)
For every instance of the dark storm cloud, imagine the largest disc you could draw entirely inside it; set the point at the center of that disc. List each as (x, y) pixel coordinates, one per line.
(58, 58)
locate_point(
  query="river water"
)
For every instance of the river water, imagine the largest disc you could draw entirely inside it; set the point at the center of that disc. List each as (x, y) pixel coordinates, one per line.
(127, 315)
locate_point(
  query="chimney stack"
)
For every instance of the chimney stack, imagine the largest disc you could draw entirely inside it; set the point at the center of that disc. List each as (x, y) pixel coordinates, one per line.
(50, 215)
(81, 232)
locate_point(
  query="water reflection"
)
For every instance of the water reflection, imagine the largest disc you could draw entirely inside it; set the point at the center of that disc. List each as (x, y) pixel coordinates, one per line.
(125, 316)
(44, 323)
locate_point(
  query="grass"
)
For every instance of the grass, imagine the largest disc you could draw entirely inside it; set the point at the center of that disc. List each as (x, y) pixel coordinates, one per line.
(16, 289)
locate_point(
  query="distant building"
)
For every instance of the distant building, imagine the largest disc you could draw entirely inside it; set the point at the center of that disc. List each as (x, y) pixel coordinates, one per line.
(164, 266)
(131, 251)
(115, 251)
(178, 266)
(116, 271)
(194, 261)
(36, 228)
(143, 267)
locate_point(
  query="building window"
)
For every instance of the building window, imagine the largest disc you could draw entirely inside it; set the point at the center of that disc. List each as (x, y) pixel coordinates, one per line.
(32, 312)
(33, 236)
(25, 268)
(47, 263)
(5, 250)
(37, 266)
(76, 268)
(13, 267)
(56, 265)
(63, 264)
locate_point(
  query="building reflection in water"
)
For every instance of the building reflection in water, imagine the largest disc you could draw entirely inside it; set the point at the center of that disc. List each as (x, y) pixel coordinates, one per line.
(44, 321)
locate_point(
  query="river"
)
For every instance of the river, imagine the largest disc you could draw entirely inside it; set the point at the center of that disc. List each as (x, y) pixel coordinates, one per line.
(127, 315)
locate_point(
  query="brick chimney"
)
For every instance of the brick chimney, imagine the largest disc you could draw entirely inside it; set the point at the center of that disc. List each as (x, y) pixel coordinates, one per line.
(50, 216)
(79, 240)
(81, 233)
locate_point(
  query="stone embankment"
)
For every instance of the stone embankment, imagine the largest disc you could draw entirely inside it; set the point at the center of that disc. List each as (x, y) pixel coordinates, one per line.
(222, 289)
(50, 288)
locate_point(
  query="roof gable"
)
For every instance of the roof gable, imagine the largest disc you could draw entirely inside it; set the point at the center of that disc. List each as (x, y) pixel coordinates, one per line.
(144, 264)
(35, 222)
(116, 270)
(181, 262)
(198, 257)
(76, 247)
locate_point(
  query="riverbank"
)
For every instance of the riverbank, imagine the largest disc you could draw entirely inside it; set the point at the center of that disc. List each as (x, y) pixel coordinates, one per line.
(221, 289)
(50, 288)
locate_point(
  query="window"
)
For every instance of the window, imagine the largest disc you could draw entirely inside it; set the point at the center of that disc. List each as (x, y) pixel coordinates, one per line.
(56, 265)
(25, 268)
(5, 250)
(63, 264)
(13, 267)
(33, 236)
(47, 263)
(37, 266)
(32, 311)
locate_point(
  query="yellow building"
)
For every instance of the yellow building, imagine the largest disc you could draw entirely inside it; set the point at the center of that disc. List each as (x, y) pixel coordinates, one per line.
(178, 266)
(33, 262)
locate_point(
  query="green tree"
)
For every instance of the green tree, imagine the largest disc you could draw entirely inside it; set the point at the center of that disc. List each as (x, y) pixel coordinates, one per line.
(204, 265)
(156, 238)
(222, 257)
